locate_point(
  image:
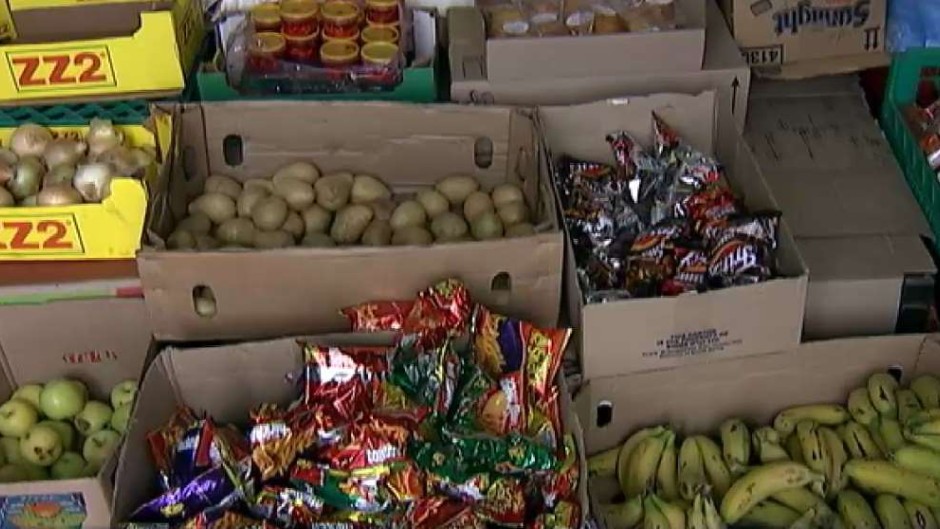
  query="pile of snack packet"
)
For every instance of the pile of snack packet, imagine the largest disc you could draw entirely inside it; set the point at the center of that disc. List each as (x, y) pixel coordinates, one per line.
(455, 426)
(660, 222)
(924, 123)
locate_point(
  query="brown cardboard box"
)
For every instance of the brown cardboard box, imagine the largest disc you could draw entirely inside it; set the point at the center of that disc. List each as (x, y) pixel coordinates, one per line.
(301, 290)
(642, 334)
(723, 69)
(779, 32)
(100, 341)
(855, 221)
(696, 398)
(227, 382)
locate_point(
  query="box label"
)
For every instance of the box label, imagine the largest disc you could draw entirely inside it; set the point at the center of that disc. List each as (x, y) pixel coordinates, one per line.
(42, 511)
(61, 69)
(763, 55)
(804, 14)
(693, 343)
(46, 234)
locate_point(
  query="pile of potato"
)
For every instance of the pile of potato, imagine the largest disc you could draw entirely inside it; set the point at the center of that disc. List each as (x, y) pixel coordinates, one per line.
(299, 206)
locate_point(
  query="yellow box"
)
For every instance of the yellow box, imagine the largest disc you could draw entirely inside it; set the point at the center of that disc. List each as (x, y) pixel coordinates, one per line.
(110, 230)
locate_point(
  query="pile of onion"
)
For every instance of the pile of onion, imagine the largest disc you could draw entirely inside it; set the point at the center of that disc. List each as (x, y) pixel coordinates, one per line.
(38, 169)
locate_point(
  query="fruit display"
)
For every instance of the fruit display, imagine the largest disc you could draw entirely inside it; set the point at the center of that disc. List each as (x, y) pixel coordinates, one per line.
(56, 431)
(872, 462)
(298, 205)
(458, 424)
(42, 168)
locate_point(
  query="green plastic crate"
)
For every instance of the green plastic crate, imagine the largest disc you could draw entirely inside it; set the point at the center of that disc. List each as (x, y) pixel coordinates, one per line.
(132, 112)
(908, 71)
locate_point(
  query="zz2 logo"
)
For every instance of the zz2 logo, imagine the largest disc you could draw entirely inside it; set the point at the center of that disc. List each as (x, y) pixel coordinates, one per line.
(61, 69)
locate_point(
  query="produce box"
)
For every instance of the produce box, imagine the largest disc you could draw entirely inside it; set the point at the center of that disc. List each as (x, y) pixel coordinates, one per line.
(698, 398)
(628, 335)
(407, 146)
(109, 230)
(69, 50)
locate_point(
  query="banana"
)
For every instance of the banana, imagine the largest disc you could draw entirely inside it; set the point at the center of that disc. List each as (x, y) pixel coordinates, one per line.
(811, 447)
(890, 431)
(931, 427)
(828, 414)
(919, 418)
(771, 515)
(672, 512)
(918, 459)
(919, 515)
(695, 518)
(836, 459)
(908, 405)
(604, 464)
(929, 441)
(735, 445)
(891, 513)
(627, 448)
(712, 518)
(799, 499)
(766, 442)
(762, 482)
(692, 479)
(860, 406)
(653, 518)
(715, 469)
(855, 511)
(859, 441)
(883, 477)
(816, 517)
(644, 461)
(874, 429)
(881, 388)
(667, 473)
(794, 448)
(624, 515)
(927, 389)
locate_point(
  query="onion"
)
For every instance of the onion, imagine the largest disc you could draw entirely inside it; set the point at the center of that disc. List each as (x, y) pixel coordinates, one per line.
(6, 172)
(27, 178)
(6, 199)
(8, 156)
(121, 160)
(102, 136)
(93, 181)
(61, 174)
(29, 201)
(143, 158)
(63, 151)
(30, 139)
(58, 195)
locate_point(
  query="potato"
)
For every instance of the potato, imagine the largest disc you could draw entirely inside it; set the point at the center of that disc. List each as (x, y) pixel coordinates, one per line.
(218, 207)
(181, 240)
(206, 242)
(333, 190)
(317, 240)
(476, 204)
(523, 229)
(247, 200)
(299, 195)
(266, 240)
(239, 231)
(379, 233)
(223, 184)
(449, 227)
(195, 223)
(259, 183)
(367, 188)
(269, 213)
(294, 225)
(487, 226)
(316, 219)
(383, 209)
(457, 188)
(513, 213)
(408, 213)
(350, 222)
(432, 201)
(412, 235)
(507, 193)
(303, 171)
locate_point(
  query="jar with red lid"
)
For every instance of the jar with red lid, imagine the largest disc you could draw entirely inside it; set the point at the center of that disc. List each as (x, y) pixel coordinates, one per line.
(299, 18)
(383, 12)
(266, 17)
(264, 52)
(339, 53)
(379, 54)
(301, 49)
(379, 34)
(340, 20)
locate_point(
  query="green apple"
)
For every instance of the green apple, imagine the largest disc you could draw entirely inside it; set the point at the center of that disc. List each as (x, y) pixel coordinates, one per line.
(30, 393)
(120, 418)
(11, 450)
(69, 466)
(41, 446)
(35, 472)
(99, 446)
(63, 399)
(94, 416)
(123, 393)
(12, 474)
(16, 418)
(90, 471)
(65, 430)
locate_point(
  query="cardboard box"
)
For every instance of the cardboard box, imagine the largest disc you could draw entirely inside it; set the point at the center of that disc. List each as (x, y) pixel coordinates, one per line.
(778, 32)
(655, 333)
(696, 398)
(69, 50)
(853, 216)
(226, 382)
(723, 69)
(101, 339)
(300, 290)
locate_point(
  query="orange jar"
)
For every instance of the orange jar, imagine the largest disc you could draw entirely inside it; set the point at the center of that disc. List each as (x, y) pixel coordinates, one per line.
(382, 12)
(340, 20)
(264, 52)
(266, 17)
(301, 49)
(379, 53)
(299, 17)
(379, 34)
(339, 53)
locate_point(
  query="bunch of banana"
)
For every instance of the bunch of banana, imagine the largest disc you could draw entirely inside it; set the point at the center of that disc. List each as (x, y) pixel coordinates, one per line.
(703, 514)
(735, 445)
(648, 512)
(767, 445)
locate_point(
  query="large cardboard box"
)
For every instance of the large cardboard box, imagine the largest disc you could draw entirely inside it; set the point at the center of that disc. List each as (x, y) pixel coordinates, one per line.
(641, 334)
(723, 69)
(301, 290)
(227, 382)
(696, 398)
(856, 224)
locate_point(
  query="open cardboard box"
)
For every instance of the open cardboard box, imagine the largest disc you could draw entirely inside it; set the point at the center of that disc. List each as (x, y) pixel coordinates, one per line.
(621, 337)
(697, 398)
(262, 294)
(226, 382)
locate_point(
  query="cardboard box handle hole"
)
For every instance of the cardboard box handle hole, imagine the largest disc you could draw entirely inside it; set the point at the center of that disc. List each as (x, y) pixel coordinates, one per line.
(483, 152)
(204, 303)
(500, 288)
(897, 372)
(233, 150)
(605, 413)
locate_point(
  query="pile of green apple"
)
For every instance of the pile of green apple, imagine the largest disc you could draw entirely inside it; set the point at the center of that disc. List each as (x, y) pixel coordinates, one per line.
(56, 431)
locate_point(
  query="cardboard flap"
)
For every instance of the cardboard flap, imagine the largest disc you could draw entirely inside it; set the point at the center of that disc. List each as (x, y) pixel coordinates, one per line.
(866, 257)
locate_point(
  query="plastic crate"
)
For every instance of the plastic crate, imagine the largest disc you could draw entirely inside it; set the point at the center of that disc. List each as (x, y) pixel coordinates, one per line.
(133, 112)
(913, 74)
